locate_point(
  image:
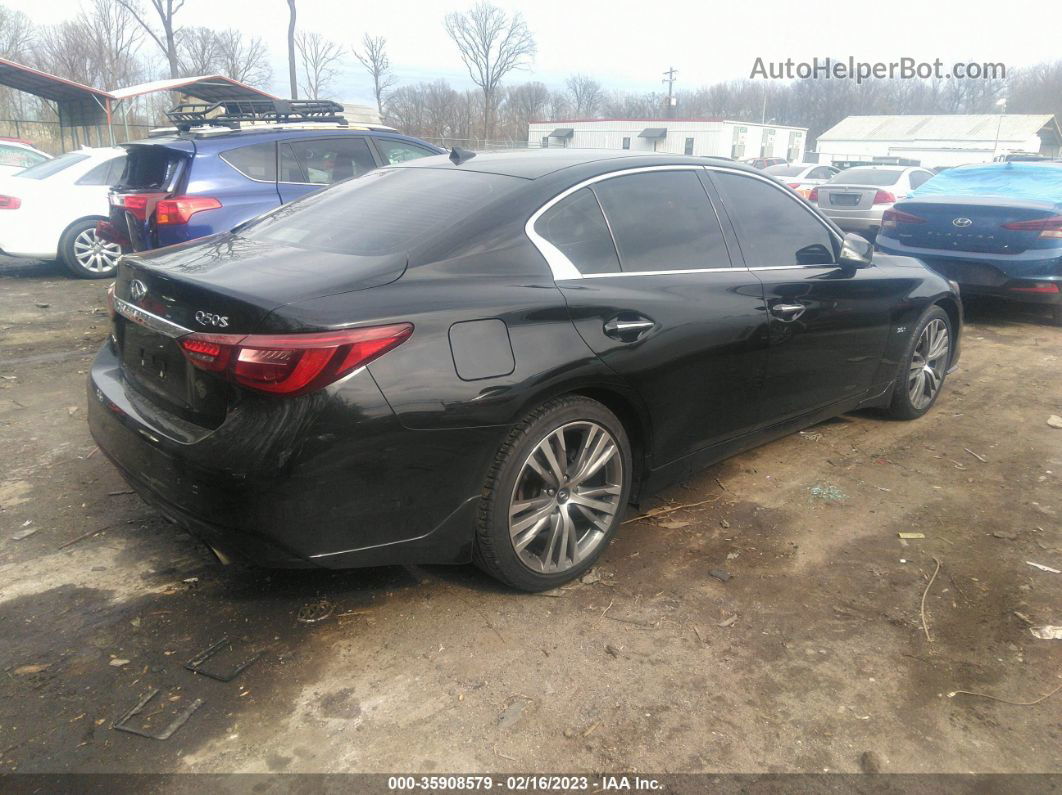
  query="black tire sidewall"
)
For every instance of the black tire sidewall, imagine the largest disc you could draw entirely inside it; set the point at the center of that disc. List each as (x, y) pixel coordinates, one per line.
(66, 251)
(504, 561)
(901, 406)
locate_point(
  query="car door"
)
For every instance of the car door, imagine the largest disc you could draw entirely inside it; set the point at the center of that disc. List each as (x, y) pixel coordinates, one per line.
(828, 324)
(650, 285)
(309, 164)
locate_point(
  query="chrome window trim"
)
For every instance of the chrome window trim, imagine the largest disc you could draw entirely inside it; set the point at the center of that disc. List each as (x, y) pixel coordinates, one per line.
(564, 269)
(149, 320)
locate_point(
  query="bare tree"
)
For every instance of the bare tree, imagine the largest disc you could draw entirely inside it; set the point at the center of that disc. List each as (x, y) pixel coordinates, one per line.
(166, 38)
(320, 63)
(246, 60)
(587, 96)
(197, 51)
(98, 47)
(491, 44)
(16, 35)
(292, 74)
(373, 56)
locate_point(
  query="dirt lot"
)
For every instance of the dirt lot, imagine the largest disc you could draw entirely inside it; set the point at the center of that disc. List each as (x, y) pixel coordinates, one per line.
(811, 654)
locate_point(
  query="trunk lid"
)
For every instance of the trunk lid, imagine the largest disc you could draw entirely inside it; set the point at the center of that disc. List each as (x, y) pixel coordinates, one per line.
(153, 171)
(971, 225)
(224, 285)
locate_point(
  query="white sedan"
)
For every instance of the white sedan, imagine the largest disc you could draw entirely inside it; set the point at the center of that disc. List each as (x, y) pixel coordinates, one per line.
(50, 210)
(16, 155)
(801, 177)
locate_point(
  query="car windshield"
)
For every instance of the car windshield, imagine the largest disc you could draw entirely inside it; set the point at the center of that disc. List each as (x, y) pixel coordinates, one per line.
(51, 167)
(382, 212)
(867, 176)
(784, 171)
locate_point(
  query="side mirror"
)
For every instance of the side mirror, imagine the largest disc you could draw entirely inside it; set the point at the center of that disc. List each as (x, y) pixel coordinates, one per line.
(856, 252)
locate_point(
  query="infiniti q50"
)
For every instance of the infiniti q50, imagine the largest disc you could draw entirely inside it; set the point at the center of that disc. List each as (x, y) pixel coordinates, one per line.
(488, 358)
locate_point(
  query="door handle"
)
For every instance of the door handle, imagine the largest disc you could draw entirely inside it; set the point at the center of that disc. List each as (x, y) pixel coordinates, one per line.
(787, 313)
(627, 330)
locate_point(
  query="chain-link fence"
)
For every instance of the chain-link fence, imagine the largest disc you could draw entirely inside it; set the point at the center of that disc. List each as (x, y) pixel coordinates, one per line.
(45, 135)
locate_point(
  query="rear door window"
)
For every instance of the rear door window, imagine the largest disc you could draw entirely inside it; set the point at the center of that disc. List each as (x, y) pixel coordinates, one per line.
(106, 173)
(663, 221)
(395, 151)
(256, 161)
(776, 228)
(322, 161)
(919, 177)
(577, 228)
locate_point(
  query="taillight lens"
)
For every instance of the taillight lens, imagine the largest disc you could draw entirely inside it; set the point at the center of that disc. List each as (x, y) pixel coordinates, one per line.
(291, 364)
(133, 203)
(890, 219)
(1047, 227)
(884, 197)
(814, 195)
(793, 185)
(180, 209)
(1043, 288)
(10, 202)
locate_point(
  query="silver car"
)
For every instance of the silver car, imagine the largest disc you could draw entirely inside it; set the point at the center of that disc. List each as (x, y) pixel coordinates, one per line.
(856, 198)
(802, 177)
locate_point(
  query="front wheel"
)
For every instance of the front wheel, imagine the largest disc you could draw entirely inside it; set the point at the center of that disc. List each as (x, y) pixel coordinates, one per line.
(924, 367)
(555, 495)
(85, 254)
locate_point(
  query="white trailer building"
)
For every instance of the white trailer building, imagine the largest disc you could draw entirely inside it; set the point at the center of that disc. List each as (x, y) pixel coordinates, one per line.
(713, 137)
(932, 141)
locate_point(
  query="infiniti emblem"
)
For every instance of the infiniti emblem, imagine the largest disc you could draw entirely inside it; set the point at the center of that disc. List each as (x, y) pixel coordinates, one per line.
(961, 222)
(137, 289)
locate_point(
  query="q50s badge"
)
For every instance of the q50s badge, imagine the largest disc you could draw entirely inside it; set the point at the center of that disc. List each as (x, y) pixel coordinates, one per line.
(210, 319)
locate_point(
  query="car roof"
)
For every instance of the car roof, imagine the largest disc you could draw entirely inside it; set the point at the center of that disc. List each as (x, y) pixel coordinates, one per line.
(204, 139)
(535, 163)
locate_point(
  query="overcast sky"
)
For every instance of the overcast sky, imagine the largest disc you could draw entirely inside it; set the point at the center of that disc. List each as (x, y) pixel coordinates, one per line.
(627, 45)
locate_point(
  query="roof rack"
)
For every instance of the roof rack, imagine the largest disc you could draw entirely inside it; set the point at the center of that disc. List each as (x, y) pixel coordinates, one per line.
(233, 112)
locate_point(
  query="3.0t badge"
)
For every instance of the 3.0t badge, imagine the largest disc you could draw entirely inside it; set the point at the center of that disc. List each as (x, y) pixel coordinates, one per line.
(210, 319)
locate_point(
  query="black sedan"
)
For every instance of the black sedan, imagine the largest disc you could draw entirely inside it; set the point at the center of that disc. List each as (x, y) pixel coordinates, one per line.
(490, 357)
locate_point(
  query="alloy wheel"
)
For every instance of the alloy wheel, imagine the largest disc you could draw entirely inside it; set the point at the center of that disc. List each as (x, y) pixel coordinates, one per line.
(94, 254)
(929, 361)
(566, 497)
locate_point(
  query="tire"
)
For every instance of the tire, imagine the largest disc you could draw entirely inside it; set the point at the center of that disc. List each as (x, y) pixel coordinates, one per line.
(559, 533)
(914, 393)
(85, 255)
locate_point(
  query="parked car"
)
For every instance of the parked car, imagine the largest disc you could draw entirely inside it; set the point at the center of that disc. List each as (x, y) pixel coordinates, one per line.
(50, 210)
(764, 162)
(995, 229)
(489, 358)
(856, 198)
(209, 178)
(802, 177)
(16, 154)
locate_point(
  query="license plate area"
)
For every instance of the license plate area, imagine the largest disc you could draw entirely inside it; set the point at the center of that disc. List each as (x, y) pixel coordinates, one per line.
(844, 199)
(156, 364)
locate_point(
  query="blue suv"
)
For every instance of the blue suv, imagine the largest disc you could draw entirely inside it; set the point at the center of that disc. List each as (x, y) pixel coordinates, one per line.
(228, 162)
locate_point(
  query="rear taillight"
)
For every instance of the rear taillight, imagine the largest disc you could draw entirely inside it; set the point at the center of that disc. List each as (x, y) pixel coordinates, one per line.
(10, 202)
(814, 195)
(133, 203)
(884, 197)
(793, 185)
(890, 219)
(179, 210)
(291, 364)
(1047, 227)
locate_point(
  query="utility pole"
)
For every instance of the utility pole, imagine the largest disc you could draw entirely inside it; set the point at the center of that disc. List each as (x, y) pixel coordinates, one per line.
(669, 78)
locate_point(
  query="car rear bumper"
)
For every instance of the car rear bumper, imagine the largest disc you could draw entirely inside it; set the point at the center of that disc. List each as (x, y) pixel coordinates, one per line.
(331, 481)
(855, 220)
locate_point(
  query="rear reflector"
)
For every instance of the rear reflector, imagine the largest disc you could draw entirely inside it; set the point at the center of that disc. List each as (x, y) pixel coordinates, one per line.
(180, 209)
(884, 197)
(1047, 227)
(291, 364)
(1045, 288)
(890, 219)
(10, 202)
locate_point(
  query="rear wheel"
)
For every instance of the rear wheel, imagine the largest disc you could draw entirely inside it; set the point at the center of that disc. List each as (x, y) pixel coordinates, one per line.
(924, 367)
(555, 495)
(85, 254)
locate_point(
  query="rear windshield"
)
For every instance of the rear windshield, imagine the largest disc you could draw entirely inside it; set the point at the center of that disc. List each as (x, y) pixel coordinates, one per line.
(382, 212)
(783, 171)
(866, 176)
(53, 166)
(151, 168)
